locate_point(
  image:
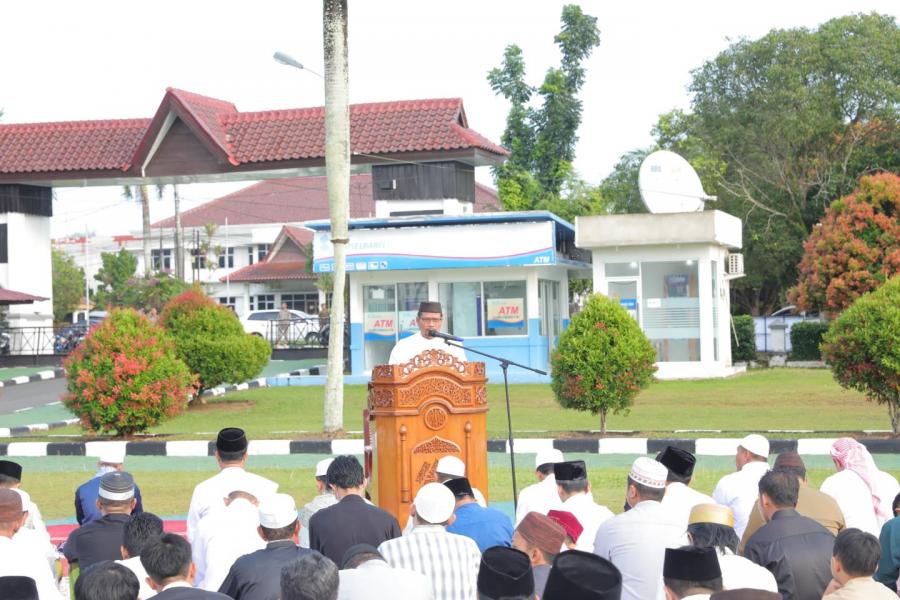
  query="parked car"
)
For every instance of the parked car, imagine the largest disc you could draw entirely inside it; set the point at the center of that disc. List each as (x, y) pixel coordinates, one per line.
(266, 323)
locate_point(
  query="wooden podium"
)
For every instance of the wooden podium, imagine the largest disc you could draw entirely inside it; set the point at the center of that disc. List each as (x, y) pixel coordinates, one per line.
(422, 410)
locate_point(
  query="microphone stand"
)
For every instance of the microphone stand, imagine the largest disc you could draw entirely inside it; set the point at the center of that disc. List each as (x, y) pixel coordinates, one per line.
(504, 365)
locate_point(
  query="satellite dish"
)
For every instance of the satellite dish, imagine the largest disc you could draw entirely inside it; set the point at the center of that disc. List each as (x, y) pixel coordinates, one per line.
(669, 184)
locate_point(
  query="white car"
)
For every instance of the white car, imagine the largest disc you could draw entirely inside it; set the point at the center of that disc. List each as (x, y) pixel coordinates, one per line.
(303, 327)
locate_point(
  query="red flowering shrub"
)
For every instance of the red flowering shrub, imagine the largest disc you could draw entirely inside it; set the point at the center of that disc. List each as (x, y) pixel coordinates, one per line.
(211, 341)
(854, 249)
(125, 376)
(602, 361)
(862, 346)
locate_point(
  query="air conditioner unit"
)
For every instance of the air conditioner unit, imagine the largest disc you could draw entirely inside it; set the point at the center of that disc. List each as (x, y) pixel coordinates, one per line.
(735, 266)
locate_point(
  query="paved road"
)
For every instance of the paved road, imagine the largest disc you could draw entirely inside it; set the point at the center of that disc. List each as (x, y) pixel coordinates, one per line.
(28, 395)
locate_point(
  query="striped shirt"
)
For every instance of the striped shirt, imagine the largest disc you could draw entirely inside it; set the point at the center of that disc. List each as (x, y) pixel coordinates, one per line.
(450, 561)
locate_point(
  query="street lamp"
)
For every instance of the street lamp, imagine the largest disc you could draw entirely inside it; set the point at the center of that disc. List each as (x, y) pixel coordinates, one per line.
(290, 61)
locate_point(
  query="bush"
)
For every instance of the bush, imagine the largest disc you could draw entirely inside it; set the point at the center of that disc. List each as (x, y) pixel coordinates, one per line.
(862, 346)
(805, 339)
(602, 361)
(125, 376)
(744, 348)
(210, 340)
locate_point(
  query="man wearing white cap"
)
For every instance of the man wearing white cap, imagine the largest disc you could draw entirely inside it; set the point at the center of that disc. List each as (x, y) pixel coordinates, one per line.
(449, 561)
(223, 536)
(739, 491)
(324, 499)
(541, 497)
(86, 494)
(635, 541)
(257, 576)
(450, 467)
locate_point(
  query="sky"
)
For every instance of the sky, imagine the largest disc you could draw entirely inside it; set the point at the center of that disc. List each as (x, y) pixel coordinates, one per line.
(63, 60)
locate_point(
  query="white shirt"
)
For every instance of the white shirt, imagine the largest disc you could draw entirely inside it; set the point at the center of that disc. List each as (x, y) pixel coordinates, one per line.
(590, 514)
(135, 566)
(38, 543)
(309, 509)
(739, 491)
(739, 572)
(365, 581)
(449, 561)
(855, 498)
(680, 499)
(210, 493)
(636, 542)
(223, 536)
(35, 520)
(541, 497)
(18, 560)
(416, 344)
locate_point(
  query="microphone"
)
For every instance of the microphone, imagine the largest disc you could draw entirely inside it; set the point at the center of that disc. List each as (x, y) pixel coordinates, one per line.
(444, 336)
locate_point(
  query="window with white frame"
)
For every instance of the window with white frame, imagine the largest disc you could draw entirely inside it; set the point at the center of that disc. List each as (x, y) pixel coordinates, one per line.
(308, 302)
(198, 259)
(229, 301)
(161, 259)
(489, 308)
(262, 302)
(257, 253)
(226, 258)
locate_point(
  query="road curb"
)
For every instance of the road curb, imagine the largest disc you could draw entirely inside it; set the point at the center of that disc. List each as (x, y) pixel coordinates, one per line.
(604, 446)
(39, 376)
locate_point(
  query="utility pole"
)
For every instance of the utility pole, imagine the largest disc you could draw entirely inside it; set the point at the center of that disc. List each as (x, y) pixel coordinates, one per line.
(179, 236)
(337, 171)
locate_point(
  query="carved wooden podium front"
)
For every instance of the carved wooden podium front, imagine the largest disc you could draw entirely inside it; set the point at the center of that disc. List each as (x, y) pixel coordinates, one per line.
(422, 410)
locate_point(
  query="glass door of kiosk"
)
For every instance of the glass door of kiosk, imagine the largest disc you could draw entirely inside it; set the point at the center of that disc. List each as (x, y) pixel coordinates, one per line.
(626, 293)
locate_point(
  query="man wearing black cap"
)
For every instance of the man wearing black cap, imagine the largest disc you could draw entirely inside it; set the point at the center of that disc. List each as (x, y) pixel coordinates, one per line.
(487, 526)
(577, 575)
(575, 492)
(691, 573)
(505, 573)
(11, 479)
(364, 570)
(102, 539)
(430, 317)
(231, 456)
(679, 498)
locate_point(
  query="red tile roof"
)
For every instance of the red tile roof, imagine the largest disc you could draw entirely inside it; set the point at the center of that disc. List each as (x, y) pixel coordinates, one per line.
(236, 137)
(13, 297)
(295, 200)
(266, 271)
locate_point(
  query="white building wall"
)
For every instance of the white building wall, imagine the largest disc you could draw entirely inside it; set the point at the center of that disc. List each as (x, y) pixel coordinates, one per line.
(29, 269)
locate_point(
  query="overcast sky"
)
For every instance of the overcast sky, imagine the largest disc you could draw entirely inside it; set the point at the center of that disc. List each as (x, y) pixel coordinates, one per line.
(63, 60)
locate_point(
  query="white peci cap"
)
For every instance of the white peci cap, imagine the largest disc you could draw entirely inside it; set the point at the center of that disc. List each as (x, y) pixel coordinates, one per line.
(546, 457)
(434, 503)
(648, 472)
(450, 465)
(322, 467)
(111, 456)
(756, 444)
(277, 511)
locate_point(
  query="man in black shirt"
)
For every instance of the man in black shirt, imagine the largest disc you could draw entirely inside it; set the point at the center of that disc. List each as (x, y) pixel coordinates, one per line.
(333, 530)
(102, 539)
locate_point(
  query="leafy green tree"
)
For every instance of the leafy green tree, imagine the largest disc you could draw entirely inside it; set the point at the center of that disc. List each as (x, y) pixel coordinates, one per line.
(115, 276)
(542, 139)
(854, 249)
(602, 361)
(862, 346)
(68, 284)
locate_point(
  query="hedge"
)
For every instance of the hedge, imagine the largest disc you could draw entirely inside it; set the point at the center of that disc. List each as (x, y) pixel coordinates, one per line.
(745, 347)
(806, 336)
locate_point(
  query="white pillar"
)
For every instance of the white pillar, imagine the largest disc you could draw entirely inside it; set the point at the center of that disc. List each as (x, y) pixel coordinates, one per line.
(704, 288)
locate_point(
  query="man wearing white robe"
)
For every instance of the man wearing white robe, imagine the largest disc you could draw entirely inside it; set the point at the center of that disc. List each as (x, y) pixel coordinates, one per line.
(680, 498)
(430, 317)
(541, 497)
(16, 559)
(739, 491)
(574, 490)
(224, 535)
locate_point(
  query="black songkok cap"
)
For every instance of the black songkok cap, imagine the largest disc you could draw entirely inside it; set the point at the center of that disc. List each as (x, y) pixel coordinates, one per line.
(505, 572)
(430, 306)
(680, 462)
(355, 550)
(691, 563)
(460, 487)
(231, 439)
(578, 575)
(11, 469)
(745, 594)
(18, 587)
(571, 470)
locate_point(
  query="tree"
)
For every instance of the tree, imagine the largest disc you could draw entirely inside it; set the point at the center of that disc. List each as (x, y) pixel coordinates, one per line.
(854, 249)
(211, 342)
(116, 275)
(143, 195)
(125, 376)
(862, 346)
(542, 139)
(68, 285)
(602, 361)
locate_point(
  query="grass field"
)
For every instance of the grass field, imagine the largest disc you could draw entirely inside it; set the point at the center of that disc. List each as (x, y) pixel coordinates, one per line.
(759, 400)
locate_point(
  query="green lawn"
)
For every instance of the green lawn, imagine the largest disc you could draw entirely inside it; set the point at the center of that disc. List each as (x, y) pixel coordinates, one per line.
(758, 400)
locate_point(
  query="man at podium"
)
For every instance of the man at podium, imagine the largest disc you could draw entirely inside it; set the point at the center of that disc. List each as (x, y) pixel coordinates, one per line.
(429, 317)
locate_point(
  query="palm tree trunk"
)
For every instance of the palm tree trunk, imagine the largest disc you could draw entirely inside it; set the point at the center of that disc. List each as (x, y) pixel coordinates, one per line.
(179, 237)
(337, 170)
(145, 213)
